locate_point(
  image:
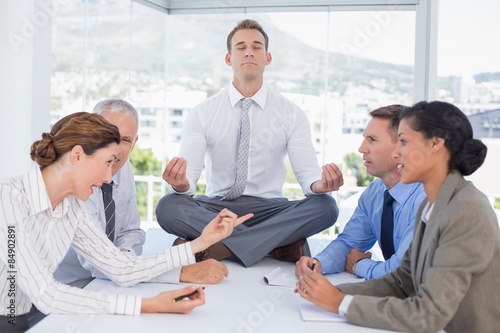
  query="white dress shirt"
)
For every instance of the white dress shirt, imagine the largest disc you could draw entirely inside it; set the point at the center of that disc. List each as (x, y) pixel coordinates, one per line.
(42, 236)
(277, 127)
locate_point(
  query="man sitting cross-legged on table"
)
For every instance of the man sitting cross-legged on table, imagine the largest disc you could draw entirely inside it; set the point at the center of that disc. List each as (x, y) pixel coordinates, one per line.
(241, 136)
(367, 225)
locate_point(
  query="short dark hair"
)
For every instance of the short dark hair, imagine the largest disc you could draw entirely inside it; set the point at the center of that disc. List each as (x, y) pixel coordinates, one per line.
(392, 113)
(446, 121)
(247, 24)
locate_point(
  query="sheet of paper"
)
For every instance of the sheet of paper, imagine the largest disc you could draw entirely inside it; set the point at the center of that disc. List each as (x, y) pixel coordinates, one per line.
(279, 277)
(311, 312)
(343, 277)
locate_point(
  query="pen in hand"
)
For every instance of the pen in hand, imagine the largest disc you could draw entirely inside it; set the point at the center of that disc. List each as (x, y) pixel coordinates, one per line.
(177, 299)
(313, 265)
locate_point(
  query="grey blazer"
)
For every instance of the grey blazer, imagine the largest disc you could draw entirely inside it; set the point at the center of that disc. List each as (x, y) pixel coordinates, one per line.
(449, 277)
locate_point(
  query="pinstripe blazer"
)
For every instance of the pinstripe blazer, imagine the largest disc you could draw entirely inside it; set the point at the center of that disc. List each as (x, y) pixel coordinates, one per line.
(448, 278)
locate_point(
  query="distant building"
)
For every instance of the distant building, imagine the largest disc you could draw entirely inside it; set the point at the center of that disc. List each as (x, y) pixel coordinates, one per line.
(162, 117)
(486, 124)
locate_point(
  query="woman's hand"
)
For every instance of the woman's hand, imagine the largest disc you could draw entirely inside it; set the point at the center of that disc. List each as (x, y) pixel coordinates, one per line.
(314, 287)
(165, 301)
(219, 228)
(306, 263)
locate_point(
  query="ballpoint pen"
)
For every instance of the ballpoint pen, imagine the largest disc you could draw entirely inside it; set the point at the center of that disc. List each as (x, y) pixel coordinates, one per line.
(177, 299)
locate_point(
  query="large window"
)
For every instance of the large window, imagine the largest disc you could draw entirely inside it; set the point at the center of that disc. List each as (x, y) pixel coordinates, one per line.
(469, 75)
(336, 65)
(468, 66)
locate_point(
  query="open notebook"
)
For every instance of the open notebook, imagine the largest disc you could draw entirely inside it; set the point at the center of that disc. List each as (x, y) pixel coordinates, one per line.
(311, 312)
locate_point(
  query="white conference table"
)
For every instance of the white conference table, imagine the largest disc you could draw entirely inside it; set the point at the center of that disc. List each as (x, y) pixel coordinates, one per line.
(241, 303)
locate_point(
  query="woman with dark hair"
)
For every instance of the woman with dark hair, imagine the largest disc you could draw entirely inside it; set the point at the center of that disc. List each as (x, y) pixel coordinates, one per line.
(42, 215)
(448, 278)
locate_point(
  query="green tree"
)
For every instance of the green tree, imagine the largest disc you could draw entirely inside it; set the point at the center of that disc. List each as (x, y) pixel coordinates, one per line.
(144, 163)
(355, 163)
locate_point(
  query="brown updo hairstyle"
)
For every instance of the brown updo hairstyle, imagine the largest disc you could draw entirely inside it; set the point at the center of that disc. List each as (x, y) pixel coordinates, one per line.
(90, 131)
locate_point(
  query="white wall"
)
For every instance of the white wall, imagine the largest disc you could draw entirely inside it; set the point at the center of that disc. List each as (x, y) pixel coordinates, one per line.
(25, 50)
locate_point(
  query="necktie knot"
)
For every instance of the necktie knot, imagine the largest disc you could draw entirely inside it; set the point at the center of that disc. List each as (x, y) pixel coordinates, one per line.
(388, 199)
(107, 187)
(245, 103)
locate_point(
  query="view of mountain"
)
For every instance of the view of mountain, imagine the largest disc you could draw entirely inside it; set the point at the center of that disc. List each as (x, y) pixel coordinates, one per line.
(196, 51)
(188, 51)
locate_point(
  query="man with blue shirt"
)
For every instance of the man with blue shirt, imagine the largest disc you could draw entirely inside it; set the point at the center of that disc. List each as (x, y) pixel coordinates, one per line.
(348, 251)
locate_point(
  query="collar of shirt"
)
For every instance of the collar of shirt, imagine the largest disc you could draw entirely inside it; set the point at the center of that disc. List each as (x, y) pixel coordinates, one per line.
(259, 97)
(37, 192)
(401, 192)
(426, 213)
(116, 178)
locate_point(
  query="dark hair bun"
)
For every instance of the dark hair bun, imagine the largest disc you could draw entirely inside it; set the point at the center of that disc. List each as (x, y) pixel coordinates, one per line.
(471, 157)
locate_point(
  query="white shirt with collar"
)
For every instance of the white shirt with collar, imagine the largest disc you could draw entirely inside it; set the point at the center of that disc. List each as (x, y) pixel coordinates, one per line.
(43, 235)
(278, 127)
(74, 269)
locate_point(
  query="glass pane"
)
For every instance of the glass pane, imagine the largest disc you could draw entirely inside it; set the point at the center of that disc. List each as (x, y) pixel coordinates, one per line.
(68, 59)
(369, 56)
(371, 66)
(337, 66)
(468, 66)
(469, 75)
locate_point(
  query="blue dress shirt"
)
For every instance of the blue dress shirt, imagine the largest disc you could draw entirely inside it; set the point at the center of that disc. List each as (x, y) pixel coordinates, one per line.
(363, 230)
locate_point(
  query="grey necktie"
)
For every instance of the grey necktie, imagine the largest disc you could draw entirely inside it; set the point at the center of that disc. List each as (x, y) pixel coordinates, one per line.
(109, 209)
(242, 163)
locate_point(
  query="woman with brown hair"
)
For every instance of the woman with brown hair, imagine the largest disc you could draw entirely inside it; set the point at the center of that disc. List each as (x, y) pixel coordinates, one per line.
(42, 214)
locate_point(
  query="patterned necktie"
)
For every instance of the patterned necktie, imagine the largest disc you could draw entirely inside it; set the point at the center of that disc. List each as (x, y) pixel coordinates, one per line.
(387, 227)
(109, 209)
(242, 163)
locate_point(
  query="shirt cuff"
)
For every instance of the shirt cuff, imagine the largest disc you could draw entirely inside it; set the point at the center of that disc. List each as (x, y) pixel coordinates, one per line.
(362, 267)
(126, 305)
(173, 190)
(344, 305)
(191, 258)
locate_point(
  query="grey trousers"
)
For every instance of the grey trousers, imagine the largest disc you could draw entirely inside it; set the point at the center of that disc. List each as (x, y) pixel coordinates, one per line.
(276, 222)
(17, 324)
